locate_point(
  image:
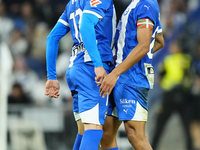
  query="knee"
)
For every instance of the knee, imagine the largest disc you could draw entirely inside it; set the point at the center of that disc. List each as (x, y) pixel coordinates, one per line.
(134, 132)
(107, 138)
(136, 137)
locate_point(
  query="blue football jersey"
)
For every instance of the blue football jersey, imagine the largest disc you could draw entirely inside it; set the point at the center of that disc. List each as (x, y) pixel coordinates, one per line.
(105, 28)
(142, 73)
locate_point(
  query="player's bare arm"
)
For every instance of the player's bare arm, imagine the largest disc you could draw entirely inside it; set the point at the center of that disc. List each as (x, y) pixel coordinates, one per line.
(144, 39)
(159, 42)
(52, 88)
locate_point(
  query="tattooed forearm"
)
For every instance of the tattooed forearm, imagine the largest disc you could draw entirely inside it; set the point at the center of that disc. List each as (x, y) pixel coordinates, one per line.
(159, 34)
(156, 40)
(157, 43)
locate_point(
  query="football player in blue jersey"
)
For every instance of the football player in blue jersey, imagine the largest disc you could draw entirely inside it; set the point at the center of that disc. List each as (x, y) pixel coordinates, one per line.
(138, 36)
(92, 24)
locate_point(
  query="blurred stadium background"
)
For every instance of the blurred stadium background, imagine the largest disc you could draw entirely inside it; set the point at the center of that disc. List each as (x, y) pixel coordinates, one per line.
(29, 120)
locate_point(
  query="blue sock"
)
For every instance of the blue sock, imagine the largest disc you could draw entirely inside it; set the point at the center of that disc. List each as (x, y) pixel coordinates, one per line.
(91, 139)
(77, 141)
(116, 148)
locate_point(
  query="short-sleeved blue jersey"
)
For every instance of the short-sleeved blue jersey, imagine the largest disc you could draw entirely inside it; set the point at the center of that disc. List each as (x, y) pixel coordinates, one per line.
(105, 28)
(126, 39)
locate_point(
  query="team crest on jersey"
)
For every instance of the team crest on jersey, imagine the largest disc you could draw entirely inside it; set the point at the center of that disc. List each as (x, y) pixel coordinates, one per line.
(94, 3)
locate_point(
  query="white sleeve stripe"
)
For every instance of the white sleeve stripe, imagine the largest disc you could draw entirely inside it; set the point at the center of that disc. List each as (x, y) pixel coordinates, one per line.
(94, 13)
(145, 23)
(159, 31)
(63, 22)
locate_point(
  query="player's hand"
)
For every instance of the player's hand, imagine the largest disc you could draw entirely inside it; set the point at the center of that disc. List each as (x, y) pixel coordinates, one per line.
(52, 88)
(100, 75)
(108, 84)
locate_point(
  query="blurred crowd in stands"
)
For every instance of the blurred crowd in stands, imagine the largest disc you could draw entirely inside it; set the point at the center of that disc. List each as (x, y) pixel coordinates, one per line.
(25, 25)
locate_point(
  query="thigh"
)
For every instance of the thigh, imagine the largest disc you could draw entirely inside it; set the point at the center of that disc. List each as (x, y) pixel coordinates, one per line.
(80, 127)
(131, 102)
(111, 125)
(110, 129)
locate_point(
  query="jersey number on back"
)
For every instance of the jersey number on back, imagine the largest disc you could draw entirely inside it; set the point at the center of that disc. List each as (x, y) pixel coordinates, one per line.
(77, 15)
